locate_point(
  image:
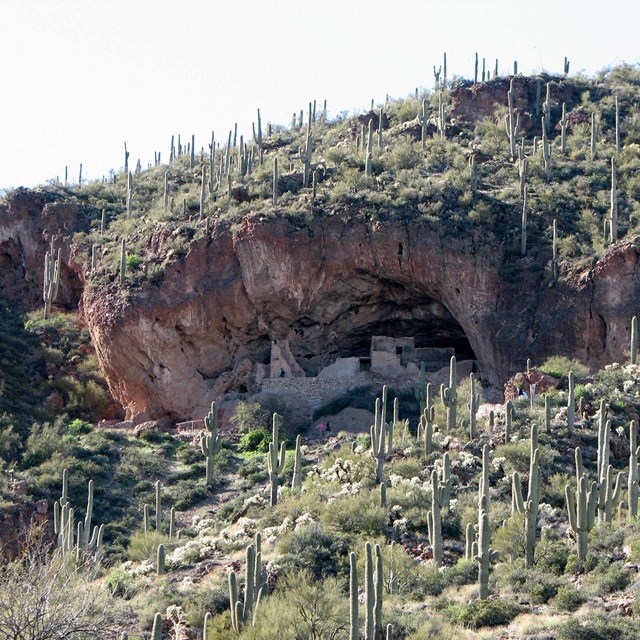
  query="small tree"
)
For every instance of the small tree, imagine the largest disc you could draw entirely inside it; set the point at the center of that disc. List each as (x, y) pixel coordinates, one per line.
(48, 597)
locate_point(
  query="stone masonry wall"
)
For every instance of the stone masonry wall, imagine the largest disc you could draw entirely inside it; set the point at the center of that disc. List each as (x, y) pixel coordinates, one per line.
(316, 391)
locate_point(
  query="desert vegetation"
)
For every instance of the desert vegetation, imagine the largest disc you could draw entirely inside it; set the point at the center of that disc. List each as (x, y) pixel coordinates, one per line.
(450, 518)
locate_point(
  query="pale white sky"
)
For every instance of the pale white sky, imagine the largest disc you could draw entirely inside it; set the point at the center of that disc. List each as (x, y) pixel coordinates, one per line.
(82, 76)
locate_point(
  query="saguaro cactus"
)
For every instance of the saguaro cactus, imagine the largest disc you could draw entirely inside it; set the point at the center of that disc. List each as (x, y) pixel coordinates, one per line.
(634, 340)
(255, 587)
(449, 395)
(613, 212)
(156, 631)
(210, 442)
(634, 471)
(571, 403)
(434, 521)
(473, 404)
(373, 592)
(296, 482)
(485, 554)
(51, 279)
(530, 507)
(160, 560)
(381, 435)
(275, 459)
(354, 622)
(512, 122)
(581, 507)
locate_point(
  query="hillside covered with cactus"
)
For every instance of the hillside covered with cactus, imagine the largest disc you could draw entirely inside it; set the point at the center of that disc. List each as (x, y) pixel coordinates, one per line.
(158, 490)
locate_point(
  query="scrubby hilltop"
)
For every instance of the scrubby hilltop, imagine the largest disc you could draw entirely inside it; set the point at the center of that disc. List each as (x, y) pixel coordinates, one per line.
(420, 211)
(498, 219)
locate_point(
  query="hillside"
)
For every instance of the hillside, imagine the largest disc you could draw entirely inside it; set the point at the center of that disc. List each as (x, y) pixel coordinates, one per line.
(314, 275)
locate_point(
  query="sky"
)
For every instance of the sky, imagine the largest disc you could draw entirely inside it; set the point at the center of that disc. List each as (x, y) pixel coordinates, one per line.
(81, 77)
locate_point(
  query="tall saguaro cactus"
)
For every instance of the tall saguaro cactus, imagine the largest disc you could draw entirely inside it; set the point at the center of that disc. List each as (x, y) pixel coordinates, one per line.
(634, 471)
(449, 395)
(530, 507)
(275, 459)
(373, 592)
(474, 404)
(255, 587)
(512, 122)
(296, 482)
(381, 435)
(51, 279)
(434, 520)
(581, 507)
(634, 340)
(210, 441)
(354, 621)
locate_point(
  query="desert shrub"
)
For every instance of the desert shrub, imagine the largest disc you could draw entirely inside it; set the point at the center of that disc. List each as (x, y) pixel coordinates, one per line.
(121, 584)
(539, 585)
(611, 580)
(250, 416)
(43, 442)
(220, 627)
(187, 493)
(301, 607)
(406, 467)
(314, 549)
(144, 546)
(597, 626)
(215, 601)
(436, 627)
(462, 572)
(78, 427)
(361, 513)
(255, 440)
(560, 366)
(568, 598)
(483, 613)
(405, 155)
(141, 463)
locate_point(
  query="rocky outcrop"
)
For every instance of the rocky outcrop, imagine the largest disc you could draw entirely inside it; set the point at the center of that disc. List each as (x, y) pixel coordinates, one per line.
(29, 221)
(474, 102)
(327, 288)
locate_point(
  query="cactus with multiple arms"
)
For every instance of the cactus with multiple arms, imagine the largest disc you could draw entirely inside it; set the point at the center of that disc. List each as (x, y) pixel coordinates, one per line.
(512, 122)
(381, 435)
(275, 459)
(581, 507)
(51, 279)
(255, 587)
(210, 442)
(449, 396)
(530, 507)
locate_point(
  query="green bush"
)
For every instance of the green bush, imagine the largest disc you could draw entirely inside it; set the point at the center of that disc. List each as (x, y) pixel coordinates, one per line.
(314, 549)
(78, 427)
(484, 613)
(255, 440)
(361, 514)
(560, 367)
(121, 584)
(568, 598)
(597, 627)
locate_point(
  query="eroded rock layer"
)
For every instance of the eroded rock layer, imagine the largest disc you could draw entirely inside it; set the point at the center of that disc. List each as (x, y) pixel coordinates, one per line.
(327, 288)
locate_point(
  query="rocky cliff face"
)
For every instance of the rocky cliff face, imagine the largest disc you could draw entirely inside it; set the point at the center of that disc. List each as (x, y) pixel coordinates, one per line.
(330, 286)
(326, 286)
